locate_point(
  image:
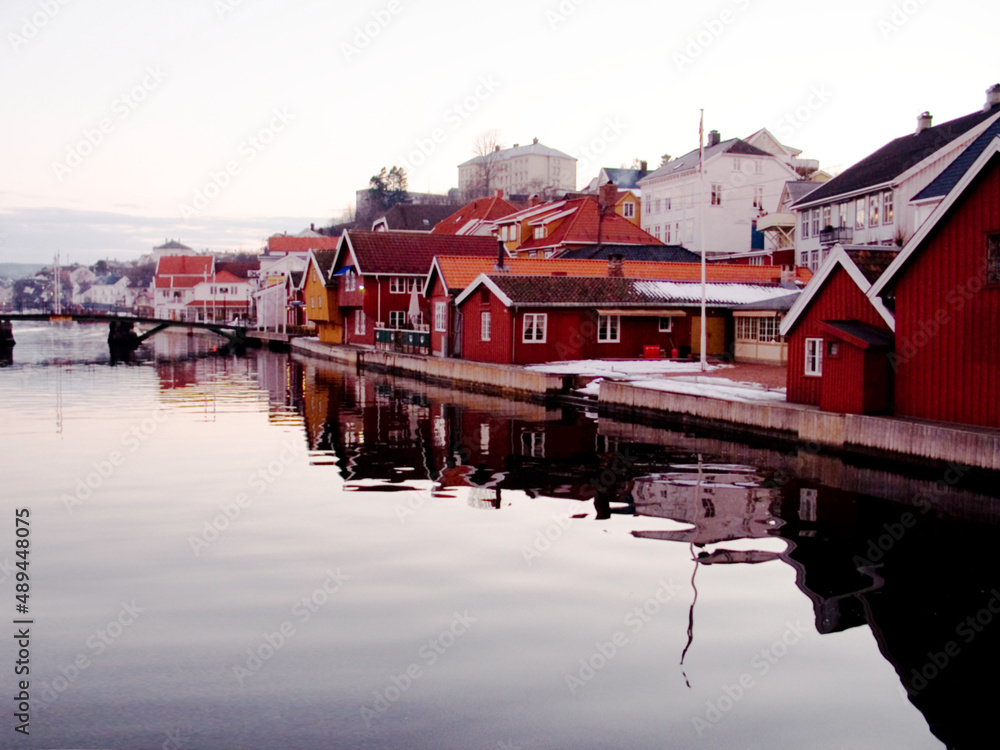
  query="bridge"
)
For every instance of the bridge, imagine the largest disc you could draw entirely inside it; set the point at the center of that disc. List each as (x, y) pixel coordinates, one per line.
(121, 333)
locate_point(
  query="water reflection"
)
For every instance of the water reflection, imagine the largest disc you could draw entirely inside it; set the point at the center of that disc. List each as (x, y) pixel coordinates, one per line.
(897, 554)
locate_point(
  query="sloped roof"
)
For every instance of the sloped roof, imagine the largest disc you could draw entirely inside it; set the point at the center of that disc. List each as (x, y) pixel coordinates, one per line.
(531, 149)
(225, 277)
(661, 253)
(173, 245)
(409, 253)
(799, 189)
(625, 178)
(897, 156)
(238, 268)
(581, 228)
(481, 209)
(570, 291)
(871, 263)
(291, 243)
(413, 216)
(170, 265)
(459, 272)
(950, 177)
(178, 282)
(689, 161)
(324, 260)
(862, 335)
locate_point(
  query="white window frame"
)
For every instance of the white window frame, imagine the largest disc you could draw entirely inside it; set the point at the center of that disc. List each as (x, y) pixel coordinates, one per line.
(537, 325)
(609, 329)
(485, 326)
(805, 225)
(860, 214)
(814, 358)
(815, 222)
(628, 210)
(670, 324)
(844, 211)
(873, 210)
(716, 194)
(888, 212)
(441, 317)
(359, 323)
(397, 318)
(350, 282)
(758, 197)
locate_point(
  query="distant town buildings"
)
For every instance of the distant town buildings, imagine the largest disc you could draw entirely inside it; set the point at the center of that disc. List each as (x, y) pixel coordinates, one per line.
(519, 170)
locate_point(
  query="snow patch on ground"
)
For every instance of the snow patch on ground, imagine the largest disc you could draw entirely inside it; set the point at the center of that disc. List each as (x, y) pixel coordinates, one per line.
(620, 369)
(721, 388)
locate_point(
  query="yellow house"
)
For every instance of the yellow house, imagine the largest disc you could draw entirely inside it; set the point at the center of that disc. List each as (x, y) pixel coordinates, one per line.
(320, 297)
(629, 207)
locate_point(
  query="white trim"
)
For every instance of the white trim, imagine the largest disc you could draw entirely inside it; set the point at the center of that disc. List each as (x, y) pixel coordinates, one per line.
(534, 327)
(838, 257)
(817, 355)
(932, 221)
(483, 279)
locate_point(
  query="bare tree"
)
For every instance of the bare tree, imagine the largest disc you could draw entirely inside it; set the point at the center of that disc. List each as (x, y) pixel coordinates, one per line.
(487, 147)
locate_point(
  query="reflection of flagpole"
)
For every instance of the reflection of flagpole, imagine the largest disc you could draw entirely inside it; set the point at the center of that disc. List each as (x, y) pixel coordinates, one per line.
(701, 235)
(690, 615)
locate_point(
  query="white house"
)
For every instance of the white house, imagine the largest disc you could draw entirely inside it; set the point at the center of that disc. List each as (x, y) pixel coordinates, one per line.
(279, 277)
(881, 200)
(106, 293)
(519, 170)
(717, 207)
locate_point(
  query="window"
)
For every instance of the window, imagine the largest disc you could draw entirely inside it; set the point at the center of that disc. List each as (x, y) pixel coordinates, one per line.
(804, 258)
(887, 207)
(533, 444)
(534, 328)
(736, 165)
(649, 203)
(667, 237)
(400, 285)
(746, 329)
(767, 330)
(359, 323)
(608, 328)
(833, 349)
(815, 261)
(656, 231)
(873, 202)
(827, 218)
(484, 326)
(758, 166)
(667, 203)
(758, 197)
(397, 318)
(815, 222)
(350, 282)
(814, 357)
(440, 316)
(540, 232)
(656, 205)
(993, 259)
(716, 194)
(666, 325)
(844, 210)
(805, 226)
(628, 210)
(859, 216)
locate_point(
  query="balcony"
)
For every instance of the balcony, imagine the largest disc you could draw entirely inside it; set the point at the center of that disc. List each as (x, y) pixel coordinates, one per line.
(833, 235)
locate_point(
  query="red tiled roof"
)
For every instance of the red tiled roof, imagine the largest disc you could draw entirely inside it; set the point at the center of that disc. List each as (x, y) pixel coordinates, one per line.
(283, 243)
(410, 252)
(459, 272)
(225, 276)
(482, 209)
(178, 282)
(184, 265)
(582, 229)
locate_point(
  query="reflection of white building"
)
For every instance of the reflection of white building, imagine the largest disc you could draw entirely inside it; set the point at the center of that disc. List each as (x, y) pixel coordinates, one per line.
(279, 277)
(721, 503)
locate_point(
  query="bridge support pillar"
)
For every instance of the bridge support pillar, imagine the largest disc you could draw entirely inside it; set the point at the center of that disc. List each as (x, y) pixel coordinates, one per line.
(121, 335)
(6, 334)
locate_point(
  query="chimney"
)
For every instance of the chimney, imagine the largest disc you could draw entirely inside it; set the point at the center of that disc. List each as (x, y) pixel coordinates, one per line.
(497, 148)
(608, 196)
(516, 145)
(788, 276)
(312, 227)
(923, 122)
(534, 141)
(616, 265)
(501, 254)
(992, 97)
(714, 139)
(643, 166)
(534, 200)
(499, 192)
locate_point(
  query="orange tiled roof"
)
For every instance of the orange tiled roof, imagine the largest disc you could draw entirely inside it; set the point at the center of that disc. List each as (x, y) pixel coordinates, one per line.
(184, 265)
(582, 229)
(281, 243)
(459, 272)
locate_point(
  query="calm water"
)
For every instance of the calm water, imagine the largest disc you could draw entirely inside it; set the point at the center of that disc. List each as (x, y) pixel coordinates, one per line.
(266, 552)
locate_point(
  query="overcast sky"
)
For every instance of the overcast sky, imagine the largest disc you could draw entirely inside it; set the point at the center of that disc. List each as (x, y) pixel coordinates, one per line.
(220, 122)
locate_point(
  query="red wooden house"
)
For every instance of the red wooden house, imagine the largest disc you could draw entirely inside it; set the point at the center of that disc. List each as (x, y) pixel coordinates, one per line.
(511, 319)
(380, 275)
(839, 340)
(946, 287)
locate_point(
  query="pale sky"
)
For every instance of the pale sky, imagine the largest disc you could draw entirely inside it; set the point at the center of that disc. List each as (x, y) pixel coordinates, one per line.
(278, 111)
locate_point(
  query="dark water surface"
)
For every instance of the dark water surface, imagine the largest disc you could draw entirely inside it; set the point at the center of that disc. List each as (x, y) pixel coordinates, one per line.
(273, 552)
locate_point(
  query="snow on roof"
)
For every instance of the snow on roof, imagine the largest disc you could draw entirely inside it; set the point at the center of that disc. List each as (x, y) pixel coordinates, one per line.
(727, 294)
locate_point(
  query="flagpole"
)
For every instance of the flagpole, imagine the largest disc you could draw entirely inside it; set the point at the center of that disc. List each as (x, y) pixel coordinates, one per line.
(701, 237)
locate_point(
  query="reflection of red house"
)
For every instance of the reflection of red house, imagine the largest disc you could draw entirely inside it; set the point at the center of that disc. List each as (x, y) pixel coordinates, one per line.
(946, 284)
(839, 340)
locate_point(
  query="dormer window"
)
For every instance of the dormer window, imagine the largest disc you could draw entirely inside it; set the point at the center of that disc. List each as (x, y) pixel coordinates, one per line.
(540, 232)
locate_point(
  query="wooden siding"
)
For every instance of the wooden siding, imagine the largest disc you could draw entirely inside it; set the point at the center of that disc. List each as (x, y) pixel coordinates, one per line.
(947, 321)
(840, 299)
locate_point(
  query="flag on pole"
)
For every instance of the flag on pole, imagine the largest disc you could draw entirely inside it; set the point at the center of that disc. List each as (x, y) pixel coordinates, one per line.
(703, 343)
(701, 141)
